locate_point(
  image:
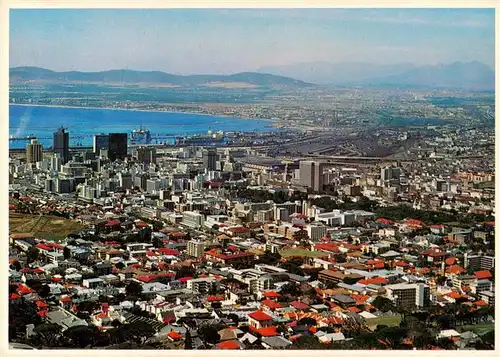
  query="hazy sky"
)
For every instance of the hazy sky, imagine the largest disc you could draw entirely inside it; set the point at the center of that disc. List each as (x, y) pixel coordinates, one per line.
(228, 41)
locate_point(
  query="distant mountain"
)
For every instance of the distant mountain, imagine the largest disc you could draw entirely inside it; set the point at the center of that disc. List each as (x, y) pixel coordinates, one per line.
(458, 75)
(471, 75)
(336, 73)
(130, 77)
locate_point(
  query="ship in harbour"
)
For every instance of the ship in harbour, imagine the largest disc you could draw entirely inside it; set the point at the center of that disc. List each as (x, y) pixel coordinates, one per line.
(141, 136)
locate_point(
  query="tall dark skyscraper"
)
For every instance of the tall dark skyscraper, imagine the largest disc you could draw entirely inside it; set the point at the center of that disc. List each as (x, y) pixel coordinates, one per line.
(117, 146)
(210, 159)
(61, 144)
(101, 141)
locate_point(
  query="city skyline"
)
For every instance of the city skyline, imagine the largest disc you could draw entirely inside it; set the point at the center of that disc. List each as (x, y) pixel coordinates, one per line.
(229, 41)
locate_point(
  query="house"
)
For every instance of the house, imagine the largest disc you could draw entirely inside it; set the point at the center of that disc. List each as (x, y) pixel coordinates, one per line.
(259, 319)
(275, 342)
(64, 319)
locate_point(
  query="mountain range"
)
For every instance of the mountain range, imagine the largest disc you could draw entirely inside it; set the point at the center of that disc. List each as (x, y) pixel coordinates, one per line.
(458, 75)
(130, 77)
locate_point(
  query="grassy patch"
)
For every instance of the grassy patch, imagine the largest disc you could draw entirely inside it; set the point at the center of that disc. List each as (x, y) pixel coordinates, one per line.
(45, 227)
(393, 320)
(286, 253)
(479, 329)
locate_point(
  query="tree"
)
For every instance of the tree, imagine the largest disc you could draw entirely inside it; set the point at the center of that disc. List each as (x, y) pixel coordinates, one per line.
(82, 336)
(290, 289)
(44, 291)
(21, 313)
(188, 341)
(66, 253)
(307, 321)
(134, 289)
(383, 304)
(16, 265)
(32, 254)
(156, 242)
(48, 334)
(209, 334)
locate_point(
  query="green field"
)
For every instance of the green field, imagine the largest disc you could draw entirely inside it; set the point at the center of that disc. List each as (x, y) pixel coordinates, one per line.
(479, 329)
(45, 227)
(286, 253)
(384, 320)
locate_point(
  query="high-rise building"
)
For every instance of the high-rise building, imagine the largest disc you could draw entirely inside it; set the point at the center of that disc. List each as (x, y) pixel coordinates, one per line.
(56, 163)
(195, 248)
(61, 144)
(210, 159)
(146, 155)
(34, 152)
(409, 295)
(101, 141)
(311, 175)
(117, 149)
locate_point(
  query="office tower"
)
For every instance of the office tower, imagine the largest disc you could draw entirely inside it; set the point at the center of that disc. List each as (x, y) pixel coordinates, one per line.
(146, 155)
(195, 248)
(125, 180)
(34, 152)
(56, 163)
(210, 159)
(101, 141)
(389, 173)
(61, 144)
(117, 149)
(311, 175)
(409, 295)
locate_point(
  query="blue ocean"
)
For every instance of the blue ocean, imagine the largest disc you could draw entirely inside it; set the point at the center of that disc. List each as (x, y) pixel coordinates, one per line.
(83, 123)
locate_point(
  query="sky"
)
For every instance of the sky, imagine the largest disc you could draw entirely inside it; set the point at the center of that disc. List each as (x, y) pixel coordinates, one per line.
(223, 41)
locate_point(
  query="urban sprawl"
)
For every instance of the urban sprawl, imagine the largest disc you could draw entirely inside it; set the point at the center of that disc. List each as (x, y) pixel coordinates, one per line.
(262, 246)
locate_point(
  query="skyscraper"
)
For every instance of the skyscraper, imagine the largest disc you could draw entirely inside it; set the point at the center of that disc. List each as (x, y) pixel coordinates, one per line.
(101, 141)
(34, 152)
(311, 175)
(146, 155)
(61, 144)
(210, 159)
(117, 148)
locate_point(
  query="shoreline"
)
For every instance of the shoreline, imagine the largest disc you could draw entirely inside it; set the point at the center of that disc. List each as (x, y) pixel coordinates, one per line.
(144, 110)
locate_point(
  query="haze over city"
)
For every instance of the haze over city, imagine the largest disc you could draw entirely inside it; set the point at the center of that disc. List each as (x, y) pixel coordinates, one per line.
(227, 41)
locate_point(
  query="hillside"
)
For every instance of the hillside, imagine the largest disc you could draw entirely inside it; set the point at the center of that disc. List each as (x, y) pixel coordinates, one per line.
(20, 75)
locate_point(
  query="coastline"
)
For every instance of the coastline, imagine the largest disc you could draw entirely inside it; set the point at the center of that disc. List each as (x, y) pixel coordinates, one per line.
(144, 110)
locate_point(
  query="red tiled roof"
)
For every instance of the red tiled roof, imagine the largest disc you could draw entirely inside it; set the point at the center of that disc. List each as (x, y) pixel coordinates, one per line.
(215, 298)
(185, 279)
(384, 221)
(41, 304)
(14, 297)
(113, 222)
(271, 304)
(269, 294)
(483, 274)
(299, 305)
(353, 309)
(450, 260)
(174, 335)
(43, 246)
(65, 299)
(168, 251)
(481, 303)
(229, 345)
(43, 313)
(260, 316)
(238, 229)
(268, 331)
(455, 269)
